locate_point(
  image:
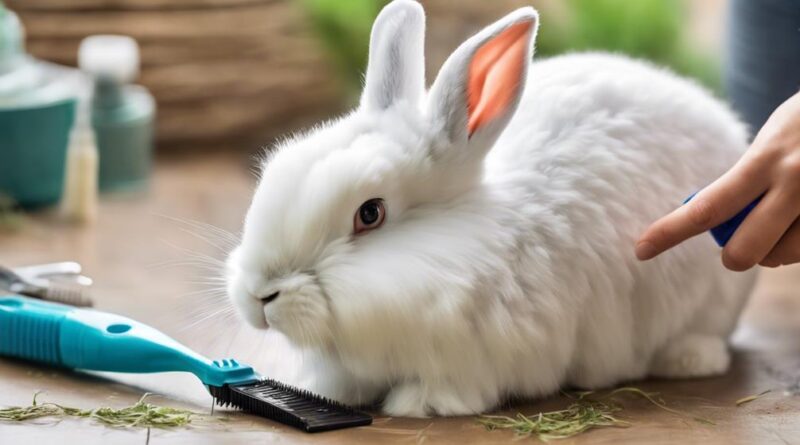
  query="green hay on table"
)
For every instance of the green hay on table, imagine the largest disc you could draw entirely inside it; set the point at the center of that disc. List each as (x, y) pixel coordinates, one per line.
(584, 414)
(580, 416)
(749, 399)
(142, 414)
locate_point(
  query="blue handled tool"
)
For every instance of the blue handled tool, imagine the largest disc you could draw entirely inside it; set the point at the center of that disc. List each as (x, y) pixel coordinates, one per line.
(723, 232)
(92, 340)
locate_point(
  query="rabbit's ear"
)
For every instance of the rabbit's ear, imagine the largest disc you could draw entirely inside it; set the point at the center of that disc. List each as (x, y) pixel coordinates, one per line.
(396, 68)
(480, 84)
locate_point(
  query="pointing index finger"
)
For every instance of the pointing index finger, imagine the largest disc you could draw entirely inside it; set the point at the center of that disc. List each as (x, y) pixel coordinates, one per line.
(712, 206)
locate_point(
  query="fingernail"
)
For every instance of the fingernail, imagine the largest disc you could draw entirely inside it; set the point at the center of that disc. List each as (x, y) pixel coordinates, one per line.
(645, 250)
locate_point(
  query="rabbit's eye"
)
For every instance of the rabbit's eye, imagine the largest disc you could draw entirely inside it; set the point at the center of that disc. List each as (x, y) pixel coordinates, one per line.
(369, 216)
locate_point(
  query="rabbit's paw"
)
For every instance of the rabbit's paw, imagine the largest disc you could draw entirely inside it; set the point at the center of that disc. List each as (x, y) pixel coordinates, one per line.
(413, 399)
(693, 355)
(406, 399)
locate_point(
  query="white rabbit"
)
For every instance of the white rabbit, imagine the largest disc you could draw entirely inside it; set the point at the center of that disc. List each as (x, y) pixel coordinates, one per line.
(442, 251)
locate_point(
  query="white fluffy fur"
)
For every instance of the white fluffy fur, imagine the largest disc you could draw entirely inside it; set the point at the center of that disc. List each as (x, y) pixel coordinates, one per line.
(499, 274)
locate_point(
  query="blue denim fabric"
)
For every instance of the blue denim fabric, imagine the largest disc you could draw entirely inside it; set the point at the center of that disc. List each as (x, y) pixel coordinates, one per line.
(762, 66)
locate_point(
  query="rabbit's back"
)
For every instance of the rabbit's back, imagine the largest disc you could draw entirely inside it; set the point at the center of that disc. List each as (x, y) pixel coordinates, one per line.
(600, 147)
(622, 122)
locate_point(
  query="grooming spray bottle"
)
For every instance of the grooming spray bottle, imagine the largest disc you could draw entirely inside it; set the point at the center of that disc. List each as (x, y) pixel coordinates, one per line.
(122, 114)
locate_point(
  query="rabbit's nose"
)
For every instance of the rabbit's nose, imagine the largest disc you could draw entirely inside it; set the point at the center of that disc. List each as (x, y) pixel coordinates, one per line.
(271, 297)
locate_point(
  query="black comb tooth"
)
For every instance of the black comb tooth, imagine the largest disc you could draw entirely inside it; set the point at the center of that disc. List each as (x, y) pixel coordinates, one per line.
(289, 405)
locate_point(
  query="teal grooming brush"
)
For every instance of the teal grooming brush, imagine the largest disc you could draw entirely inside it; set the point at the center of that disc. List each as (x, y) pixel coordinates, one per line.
(92, 340)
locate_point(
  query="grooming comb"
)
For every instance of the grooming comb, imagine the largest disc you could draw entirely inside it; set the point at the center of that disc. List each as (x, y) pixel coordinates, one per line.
(98, 341)
(31, 282)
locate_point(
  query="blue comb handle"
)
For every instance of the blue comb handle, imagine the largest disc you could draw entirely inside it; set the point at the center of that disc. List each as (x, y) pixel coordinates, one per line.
(88, 339)
(723, 232)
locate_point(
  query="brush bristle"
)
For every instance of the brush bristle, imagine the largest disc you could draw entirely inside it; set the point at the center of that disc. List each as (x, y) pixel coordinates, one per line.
(289, 405)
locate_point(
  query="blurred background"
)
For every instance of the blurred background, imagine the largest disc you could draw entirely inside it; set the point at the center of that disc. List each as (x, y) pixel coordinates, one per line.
(234, 74)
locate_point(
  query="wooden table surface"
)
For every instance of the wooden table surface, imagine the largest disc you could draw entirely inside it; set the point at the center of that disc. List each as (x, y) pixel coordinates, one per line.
(151, 260)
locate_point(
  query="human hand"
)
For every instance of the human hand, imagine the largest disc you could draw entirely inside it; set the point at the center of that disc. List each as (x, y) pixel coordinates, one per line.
(770, 235)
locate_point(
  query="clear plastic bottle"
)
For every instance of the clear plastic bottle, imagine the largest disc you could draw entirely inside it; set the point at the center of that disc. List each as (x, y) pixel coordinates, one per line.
(79, 203)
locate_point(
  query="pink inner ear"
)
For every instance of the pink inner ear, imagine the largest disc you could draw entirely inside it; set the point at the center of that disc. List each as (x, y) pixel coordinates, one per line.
(495, 73)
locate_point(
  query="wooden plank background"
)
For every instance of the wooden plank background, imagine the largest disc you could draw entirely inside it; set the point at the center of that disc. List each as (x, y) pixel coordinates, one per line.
(229, 72)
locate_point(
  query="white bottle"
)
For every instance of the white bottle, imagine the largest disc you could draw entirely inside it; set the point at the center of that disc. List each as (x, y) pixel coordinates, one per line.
(79, 203)
(122, 113)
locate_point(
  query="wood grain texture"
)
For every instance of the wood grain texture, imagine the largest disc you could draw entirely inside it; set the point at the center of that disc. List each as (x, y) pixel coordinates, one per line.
(230, 72)
(233, 72)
